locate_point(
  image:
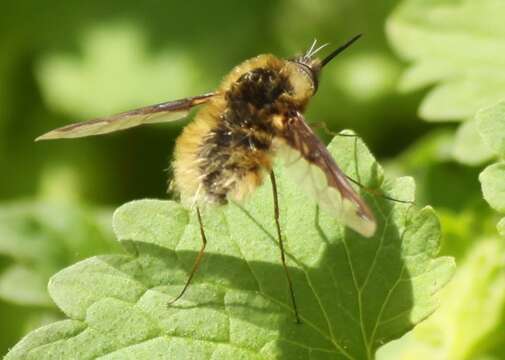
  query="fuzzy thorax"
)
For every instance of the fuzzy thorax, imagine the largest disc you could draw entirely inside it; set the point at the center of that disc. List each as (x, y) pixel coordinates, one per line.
(226, 151)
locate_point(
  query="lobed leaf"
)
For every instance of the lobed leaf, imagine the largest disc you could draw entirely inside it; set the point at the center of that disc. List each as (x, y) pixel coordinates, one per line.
(456, 48)
(491, 126)
(493, 186)
(115, 64)
(38, 239)
(469, 323)
(491, 122)
(455, 45)
(501, 227)
(469, 147)
(354, 294)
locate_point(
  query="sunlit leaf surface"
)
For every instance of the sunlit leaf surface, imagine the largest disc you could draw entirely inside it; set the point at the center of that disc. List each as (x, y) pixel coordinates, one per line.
(354, 294)
(455, 45)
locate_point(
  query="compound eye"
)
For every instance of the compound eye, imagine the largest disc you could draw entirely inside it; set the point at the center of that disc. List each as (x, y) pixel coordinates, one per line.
(302, 80)
(311, 74)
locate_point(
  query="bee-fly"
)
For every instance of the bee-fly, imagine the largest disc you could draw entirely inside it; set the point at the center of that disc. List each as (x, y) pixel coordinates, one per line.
(225, 153)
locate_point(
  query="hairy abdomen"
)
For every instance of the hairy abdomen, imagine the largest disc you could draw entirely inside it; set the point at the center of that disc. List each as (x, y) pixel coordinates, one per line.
(216, 157)
(227, 149)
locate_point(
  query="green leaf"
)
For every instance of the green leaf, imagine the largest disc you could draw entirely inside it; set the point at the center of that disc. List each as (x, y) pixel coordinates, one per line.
(438, 181)
(116, 72)
(456, 44)
(434, 147)
(469, 323)
(39, 238)
(493, 189)
(501, 227)
(492, 127)
(24, 286)
(469, 148)
(354, 294)
(491, 122)
(493, 186)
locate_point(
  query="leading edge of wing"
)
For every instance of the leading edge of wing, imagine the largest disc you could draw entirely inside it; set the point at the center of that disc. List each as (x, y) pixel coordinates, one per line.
(162, 112)
(312, 166)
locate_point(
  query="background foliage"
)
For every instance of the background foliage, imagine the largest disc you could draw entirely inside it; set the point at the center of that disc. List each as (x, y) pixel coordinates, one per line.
(424, 88)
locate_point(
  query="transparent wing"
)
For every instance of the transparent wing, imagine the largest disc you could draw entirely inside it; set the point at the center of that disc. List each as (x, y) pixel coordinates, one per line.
(311, 166)
(163, 112)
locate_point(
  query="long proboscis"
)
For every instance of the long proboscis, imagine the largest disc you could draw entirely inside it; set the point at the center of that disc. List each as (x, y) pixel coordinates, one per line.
(337, 51)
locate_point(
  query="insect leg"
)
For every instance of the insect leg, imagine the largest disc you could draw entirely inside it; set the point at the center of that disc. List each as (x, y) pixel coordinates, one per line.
(377, 192)
(374, 192)
(322, 125)
(281, 245)
(198, 259)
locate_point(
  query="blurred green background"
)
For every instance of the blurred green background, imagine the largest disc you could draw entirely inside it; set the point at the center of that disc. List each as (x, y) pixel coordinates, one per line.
(67, 61)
